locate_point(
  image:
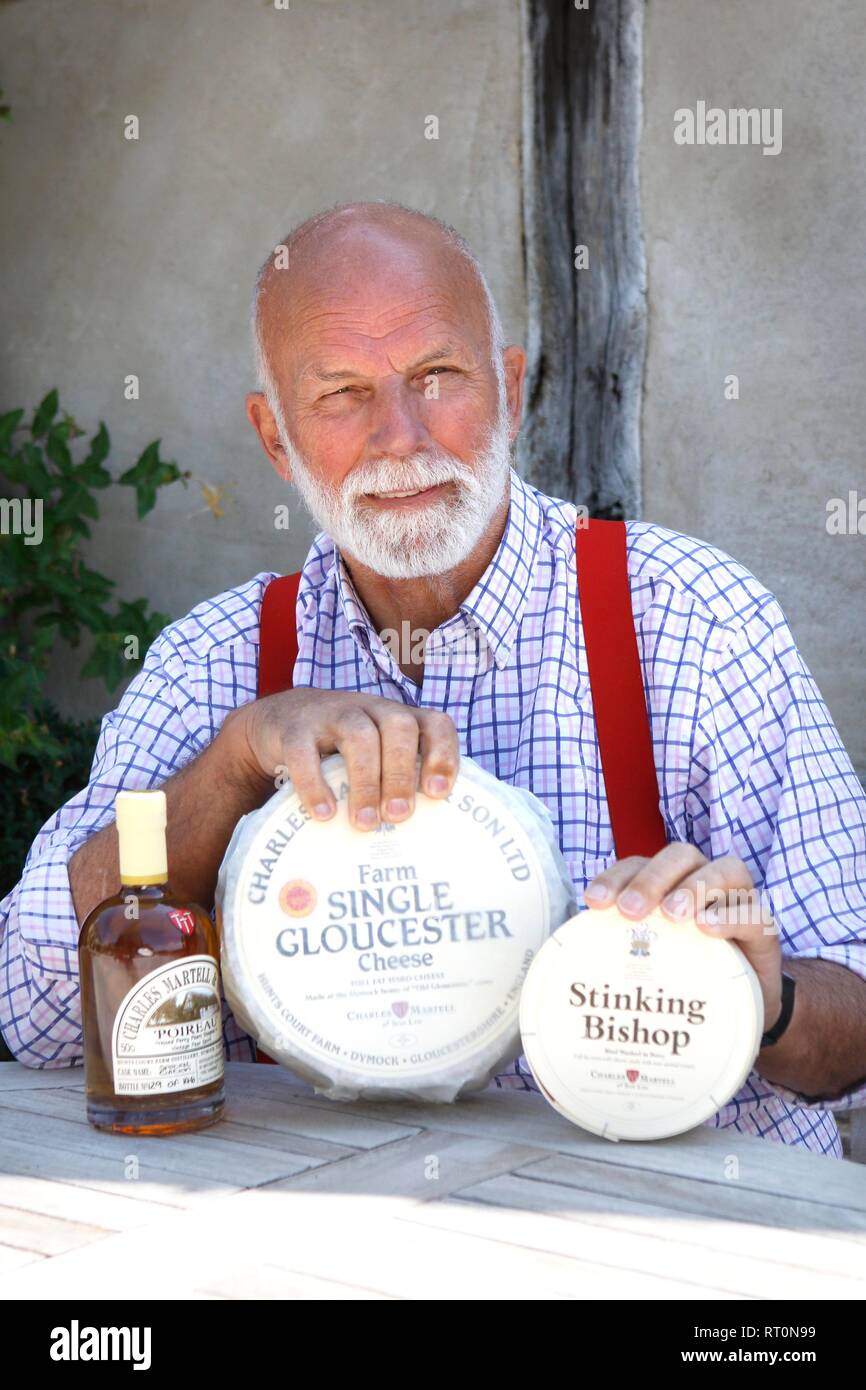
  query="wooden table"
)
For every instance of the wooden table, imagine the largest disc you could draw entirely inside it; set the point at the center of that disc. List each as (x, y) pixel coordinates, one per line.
(293, 1196)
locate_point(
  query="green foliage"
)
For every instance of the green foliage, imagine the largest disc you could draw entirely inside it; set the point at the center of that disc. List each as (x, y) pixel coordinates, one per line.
(40, 784)
(46, 589)
(148, 474)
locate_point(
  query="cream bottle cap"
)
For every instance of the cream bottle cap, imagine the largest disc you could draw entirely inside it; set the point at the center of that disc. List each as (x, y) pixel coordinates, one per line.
(141, 818)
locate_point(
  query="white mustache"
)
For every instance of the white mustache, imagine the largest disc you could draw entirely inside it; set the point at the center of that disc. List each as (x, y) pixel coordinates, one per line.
(405, 475)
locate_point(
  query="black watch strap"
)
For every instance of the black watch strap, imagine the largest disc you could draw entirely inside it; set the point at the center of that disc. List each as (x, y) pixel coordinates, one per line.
(784, 1018)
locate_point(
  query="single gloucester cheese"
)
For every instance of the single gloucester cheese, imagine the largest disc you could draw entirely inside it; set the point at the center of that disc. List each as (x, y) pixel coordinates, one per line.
(390, 962)
(639, 1030)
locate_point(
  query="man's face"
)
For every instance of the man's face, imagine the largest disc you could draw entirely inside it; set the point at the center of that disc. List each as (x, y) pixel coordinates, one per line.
(394, 421)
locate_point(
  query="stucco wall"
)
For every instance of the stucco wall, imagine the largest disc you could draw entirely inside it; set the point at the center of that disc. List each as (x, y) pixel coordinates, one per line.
(755, 268)
(139, 257)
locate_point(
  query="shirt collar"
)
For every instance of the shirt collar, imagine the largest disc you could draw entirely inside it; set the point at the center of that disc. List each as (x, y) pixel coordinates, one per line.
(497, 603)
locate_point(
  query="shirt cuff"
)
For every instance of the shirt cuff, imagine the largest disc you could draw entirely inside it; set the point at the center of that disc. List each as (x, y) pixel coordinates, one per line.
(40, 1006)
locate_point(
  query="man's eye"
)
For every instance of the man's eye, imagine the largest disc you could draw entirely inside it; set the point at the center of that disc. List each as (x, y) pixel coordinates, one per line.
(436, 371)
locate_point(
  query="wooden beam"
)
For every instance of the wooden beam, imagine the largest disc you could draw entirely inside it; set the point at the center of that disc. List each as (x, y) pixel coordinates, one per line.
(587, 327)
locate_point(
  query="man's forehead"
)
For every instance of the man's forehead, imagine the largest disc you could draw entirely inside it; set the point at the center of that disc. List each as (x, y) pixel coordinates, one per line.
(350, 338)
(372, 295)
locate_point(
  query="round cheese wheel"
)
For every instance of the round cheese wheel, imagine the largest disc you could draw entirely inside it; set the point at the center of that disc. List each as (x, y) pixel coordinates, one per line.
(390, 962)
(639, 1030)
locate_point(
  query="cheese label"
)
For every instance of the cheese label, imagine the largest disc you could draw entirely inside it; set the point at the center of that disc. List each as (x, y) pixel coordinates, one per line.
(639, 1030)
(391, 957)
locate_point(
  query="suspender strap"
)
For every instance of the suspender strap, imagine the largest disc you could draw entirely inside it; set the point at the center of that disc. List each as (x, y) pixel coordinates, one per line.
(618, 699)
(278, 651)
(278, 635)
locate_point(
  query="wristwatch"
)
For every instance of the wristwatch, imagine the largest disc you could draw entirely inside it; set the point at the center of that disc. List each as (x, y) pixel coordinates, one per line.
(784, 1018)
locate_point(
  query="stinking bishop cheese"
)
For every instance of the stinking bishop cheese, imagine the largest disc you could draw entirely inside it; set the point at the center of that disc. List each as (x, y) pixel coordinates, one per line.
(639, 1030)
(390, 962)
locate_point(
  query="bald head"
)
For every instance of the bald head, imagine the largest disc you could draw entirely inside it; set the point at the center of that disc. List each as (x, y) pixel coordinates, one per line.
(331, 255)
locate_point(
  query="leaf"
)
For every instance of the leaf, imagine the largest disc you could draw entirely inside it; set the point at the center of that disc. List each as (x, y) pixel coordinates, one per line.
(90, 469)
(106, 660)
(8, 425)
(75, 502)
(45, 412)
(32, 472)
(58, 450)
(147, 474)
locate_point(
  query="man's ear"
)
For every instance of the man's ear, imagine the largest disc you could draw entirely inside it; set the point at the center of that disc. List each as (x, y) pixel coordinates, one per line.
(262, 419)
(514, 361)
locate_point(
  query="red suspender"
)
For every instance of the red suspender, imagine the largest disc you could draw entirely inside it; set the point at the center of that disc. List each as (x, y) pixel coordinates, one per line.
(278, 651)
(618, 699)
(278, 635)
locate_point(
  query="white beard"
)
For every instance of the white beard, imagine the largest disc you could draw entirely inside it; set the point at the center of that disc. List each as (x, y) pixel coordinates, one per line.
(430, 538)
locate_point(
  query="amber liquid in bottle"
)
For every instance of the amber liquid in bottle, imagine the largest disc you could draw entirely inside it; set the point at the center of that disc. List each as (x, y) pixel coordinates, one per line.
(150, 994)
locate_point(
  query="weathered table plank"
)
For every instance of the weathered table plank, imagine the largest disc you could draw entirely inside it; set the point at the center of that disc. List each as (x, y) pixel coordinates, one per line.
(427, 1166)
(495, 1197)
(727, 1201)
(622, 1234)
(14, 1077)
(13, 1258)
(210, 1158)
(271, 1282)
(154, 1184)
(70, 1201)
(44, 1235)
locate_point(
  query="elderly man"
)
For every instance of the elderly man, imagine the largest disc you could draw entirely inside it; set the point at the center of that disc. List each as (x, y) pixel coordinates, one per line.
(391, 402)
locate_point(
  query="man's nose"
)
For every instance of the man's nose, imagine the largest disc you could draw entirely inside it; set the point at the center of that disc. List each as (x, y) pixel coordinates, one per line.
(398, 426)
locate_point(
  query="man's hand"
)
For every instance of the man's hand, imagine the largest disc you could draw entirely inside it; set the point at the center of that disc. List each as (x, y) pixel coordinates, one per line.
(718, 894)
(379, 739)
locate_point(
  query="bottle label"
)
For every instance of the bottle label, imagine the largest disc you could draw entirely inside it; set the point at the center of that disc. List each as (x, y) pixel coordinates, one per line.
(167, 1033)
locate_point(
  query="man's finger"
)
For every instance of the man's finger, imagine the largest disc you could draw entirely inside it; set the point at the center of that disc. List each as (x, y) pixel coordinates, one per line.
(603, 889)
(715, 881)
(357, 738)
(657, 876)
(399, 734)
(302, 764)
(440, 752)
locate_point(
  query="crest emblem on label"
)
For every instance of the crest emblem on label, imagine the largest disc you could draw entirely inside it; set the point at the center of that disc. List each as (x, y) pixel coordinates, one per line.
(184, 921)
(632, 1075)
(642, 937)
(401, 1008)
(298, 897)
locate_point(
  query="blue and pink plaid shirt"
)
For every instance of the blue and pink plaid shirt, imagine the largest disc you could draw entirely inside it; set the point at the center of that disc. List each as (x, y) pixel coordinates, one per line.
(749, 761)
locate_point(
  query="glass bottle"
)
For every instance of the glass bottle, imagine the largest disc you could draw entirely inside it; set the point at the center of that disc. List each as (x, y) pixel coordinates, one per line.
(150, 992)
